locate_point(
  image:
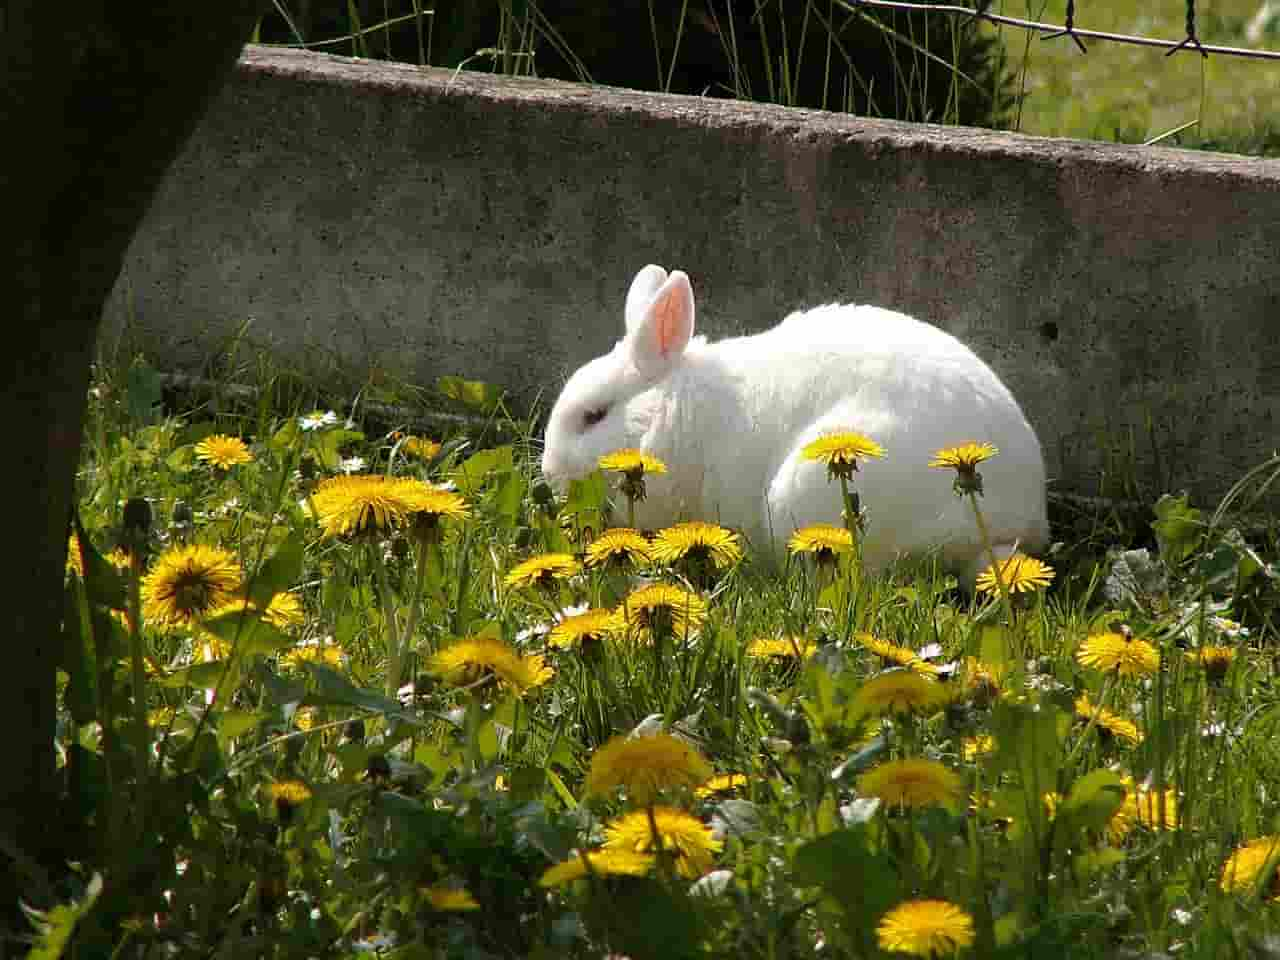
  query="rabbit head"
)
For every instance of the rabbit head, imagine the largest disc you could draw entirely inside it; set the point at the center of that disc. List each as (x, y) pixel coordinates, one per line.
(610, 402)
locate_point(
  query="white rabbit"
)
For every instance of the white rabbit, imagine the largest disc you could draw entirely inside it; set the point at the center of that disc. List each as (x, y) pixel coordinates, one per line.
(730, 420)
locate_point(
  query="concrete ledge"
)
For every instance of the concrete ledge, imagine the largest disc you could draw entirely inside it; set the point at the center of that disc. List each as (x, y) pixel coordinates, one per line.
(434, 222)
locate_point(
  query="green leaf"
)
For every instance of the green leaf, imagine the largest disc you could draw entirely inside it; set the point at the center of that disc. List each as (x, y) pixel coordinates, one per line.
(278, 572)
(844, 864)
(57, 925)
(104, 583)
(330, 688)
(235, 723)
(1030, 740)
(473, 393)
(483, 467)
(1093, 800)
(201, 676)
(1178, 528)
(508, 496)
(247, 633)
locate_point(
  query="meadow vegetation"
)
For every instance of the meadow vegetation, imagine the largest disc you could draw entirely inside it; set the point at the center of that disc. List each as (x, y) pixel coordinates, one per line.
(334, 688)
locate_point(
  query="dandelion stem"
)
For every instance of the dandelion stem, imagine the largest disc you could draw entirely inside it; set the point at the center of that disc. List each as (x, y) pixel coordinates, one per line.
(996, 570)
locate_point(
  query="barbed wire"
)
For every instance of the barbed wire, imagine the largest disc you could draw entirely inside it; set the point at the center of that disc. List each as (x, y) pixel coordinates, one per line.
(1053, 30)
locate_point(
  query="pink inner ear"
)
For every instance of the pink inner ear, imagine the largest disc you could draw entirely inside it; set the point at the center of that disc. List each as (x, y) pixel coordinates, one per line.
(670, 315)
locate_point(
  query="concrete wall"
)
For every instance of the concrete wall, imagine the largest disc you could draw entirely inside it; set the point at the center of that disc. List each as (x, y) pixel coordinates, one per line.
(434, 222)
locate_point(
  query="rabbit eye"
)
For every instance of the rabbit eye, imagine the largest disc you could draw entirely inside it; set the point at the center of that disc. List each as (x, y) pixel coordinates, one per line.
(591, 417)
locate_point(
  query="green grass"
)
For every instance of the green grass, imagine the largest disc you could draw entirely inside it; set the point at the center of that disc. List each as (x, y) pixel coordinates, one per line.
(174, 741)
(1134, 94)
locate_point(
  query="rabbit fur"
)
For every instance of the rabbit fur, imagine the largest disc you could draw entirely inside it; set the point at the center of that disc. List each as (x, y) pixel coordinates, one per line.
(730, 420)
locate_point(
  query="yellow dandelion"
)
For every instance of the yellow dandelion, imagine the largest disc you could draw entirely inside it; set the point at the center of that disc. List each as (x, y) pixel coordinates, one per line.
(347, 506)
(982, 681)
(1020, 573)
(669, 830)
(477, 660)
(926, 928)
(721, 783)
(1142, 807)
(329, 654)
(900, 691)
(1242, 871)
(543, 570)
(841, 451)
(656, 604)
(1115, 652)
(696, 540)
(449, 899)
(965, 456)
(619, 546)
(644, 766)
(971, 748)
(188, 583)
(419, 447)
(283, 612)
(1108, 721)
(897, 655)
(287, 795)
(582, 629)
(222, 451)
(304, 718)
(601, 863)
(911, 782)
(824, 540)
(161, 716)
(1213, 660)
(630, 460)
(783, 648)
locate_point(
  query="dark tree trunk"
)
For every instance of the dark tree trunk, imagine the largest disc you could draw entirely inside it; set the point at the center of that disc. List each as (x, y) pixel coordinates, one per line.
(96, 99)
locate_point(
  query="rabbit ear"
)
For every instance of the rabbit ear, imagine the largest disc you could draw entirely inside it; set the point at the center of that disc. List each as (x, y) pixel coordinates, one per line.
(643, 287)
(662, 327)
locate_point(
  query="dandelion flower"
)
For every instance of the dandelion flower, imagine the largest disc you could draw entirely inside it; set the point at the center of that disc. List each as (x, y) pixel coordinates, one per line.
(900, 691)
(841, 451)
(1142, 807)
(222, 451)
(346, 506)
(582, 630)
(670, 830)
(964, 459)
(896, 655)
(926, 928)
(824, 540)
(1242, 872)
(75, 558)
(645, 765)
(634, 465)
(785, 648)
(475, 660)
(1214, 661)
(542, 571)
(647, 607)
(696, 540)
(1020, 573)
(188, 583)
(1108, 721)
(429, 505)
(450, 899)
(630, 460)
(721, 783)
(1128, 657)
(618, 546)
(602, 863)
(912, 782)
(287, 795)
(329, 654)
(971, 748)
(966, 455)
(283, 612)
(304, 718)
(419, 447)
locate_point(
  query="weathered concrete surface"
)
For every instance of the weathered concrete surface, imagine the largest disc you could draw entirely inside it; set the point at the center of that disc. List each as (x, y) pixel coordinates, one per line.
(438, 222)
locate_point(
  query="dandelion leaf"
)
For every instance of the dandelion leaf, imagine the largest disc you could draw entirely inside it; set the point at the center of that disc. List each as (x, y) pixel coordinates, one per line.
(477, 394)
(1093, 800)
(482, 468)
(279, 572)
(844, 865)
(1178, 528)
(56, 926)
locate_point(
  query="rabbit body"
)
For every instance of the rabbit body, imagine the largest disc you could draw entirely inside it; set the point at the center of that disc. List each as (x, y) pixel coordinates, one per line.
(730, 420)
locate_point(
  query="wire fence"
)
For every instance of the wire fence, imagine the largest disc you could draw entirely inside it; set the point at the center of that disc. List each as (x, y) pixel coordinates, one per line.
(1068, 29)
